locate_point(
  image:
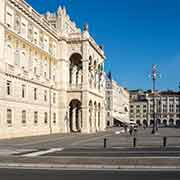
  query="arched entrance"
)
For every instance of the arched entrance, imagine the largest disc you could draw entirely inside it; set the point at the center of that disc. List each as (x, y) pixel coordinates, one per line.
(165, 122)
(151, 122)
(138, 122)
(75, 70)
(145, 123)
(75, 120)
(178, 123)
(158, 121)
(171, 122)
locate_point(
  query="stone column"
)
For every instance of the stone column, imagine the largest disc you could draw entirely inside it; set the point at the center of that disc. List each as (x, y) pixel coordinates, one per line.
(95, 119)
(73, 120)
(99, 119)
(79, 76)
(67, 120)
(74, 75)
(79, 120)
(90, 119)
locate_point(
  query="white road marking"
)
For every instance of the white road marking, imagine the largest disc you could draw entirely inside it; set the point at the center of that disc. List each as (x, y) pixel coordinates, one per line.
(39, 153)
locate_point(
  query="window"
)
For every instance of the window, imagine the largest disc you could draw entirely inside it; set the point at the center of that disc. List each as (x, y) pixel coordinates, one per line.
(45, 95)
(10, 55)
(24, 29)
(9, 116)
(45, 117)
(54, 118)
(23, 91)
(35, 117)
(177, 107)
(54, 78)
(17, 57)
(23, 117)
(17, 23)
(9, 19)
(23, 60)
(54, 98)
(35, 70)
(45, 74)
(9, 83)
(35, 93)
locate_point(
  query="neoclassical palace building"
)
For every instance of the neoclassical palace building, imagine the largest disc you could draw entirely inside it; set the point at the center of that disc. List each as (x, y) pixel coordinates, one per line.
(51, 74)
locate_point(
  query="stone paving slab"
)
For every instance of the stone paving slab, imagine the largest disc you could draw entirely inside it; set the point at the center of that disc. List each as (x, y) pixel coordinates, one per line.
(140, 161)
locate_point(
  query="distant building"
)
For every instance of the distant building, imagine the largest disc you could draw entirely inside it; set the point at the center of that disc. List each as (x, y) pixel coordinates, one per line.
(138, 107)
(167, 107)
(117, 103)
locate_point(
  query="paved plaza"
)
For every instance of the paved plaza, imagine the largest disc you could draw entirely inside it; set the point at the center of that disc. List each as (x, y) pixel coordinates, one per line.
(117, 142)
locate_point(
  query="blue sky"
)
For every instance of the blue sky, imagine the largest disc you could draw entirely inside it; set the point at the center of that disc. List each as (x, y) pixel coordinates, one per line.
(135, 34)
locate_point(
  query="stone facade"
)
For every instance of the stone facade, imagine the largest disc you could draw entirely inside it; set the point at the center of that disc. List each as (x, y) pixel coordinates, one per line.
(51, 74)
(117, 103)
(167, 108)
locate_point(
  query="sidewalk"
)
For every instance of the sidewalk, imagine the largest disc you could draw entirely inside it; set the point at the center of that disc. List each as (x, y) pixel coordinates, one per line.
(81, 162)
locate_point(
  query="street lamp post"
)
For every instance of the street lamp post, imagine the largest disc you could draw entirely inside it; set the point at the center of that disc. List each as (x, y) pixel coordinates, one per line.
(154, 76)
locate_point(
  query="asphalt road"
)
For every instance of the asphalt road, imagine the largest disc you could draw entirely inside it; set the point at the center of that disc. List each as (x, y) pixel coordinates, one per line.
(22, 174)
(141, 152)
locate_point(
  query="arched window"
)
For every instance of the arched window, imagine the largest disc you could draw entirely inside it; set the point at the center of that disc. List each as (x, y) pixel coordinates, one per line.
(9, 55)
(23, 60)
(23, 117)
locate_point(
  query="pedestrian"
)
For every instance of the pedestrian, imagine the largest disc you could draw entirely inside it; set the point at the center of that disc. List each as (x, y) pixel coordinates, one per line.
(131, 130)
(125, 128)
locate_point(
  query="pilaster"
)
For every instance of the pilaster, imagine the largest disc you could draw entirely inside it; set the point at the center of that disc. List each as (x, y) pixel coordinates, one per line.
(2, 35)
(62, 84)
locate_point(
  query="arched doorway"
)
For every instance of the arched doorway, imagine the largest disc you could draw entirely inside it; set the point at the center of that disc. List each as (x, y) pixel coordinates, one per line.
(178, 123)
(138, 122)
(158, 121)
(75, 121)
(171, 122)
(165, 122)
(145, 124)
(75, 70)
(151, 122)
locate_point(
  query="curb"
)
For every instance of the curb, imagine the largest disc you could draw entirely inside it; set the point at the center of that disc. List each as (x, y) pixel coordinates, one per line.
(84, 167)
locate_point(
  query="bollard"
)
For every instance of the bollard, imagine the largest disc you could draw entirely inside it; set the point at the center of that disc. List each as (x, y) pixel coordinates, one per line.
(134, 142)
(164, 141)
(105, 142)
